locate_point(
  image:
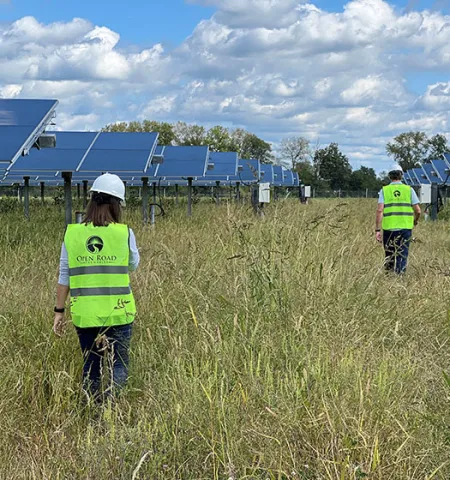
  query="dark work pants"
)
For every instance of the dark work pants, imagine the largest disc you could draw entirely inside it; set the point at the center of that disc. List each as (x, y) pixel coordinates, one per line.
(396, 248)
(105, 347)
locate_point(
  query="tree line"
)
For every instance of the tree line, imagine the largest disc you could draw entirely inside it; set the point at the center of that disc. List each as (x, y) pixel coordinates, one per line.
(218, 138)
(328, 168)
(323, 168)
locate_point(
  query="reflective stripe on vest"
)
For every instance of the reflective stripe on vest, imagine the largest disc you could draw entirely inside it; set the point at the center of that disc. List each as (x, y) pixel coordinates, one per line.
(73, 272)
(99, 280)
(398, 213)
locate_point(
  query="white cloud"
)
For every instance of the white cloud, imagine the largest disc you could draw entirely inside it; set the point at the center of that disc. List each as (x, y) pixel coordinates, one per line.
(275, 67)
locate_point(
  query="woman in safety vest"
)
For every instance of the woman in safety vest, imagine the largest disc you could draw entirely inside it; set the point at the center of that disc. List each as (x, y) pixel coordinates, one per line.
(96, 258)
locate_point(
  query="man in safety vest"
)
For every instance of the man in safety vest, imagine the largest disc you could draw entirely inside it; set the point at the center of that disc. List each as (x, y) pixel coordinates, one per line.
(397, 214)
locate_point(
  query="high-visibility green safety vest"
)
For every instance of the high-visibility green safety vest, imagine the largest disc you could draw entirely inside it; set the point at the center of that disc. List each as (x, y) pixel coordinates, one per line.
(99, 281)
(398, 212)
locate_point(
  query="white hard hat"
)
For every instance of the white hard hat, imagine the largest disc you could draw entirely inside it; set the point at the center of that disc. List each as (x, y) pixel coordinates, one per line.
(395, 167)
(109, 184)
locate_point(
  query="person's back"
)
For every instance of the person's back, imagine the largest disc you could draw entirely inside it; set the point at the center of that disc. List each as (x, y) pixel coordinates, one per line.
(397, 213)
(96, 257)
(98, 269)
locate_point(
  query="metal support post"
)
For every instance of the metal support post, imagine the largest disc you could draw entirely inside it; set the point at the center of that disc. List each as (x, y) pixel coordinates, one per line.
(152, 209)
(217, 192)
(78, 191)
(145, 200)
(434, 201)
(189, 197)
(85, 193)
(67, 176)
(176, 195)
(254, 193)
(43, 192)
(26, 191)
(238, 192)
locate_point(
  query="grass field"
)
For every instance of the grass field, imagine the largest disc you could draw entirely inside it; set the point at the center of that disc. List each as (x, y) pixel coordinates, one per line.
(264, 349)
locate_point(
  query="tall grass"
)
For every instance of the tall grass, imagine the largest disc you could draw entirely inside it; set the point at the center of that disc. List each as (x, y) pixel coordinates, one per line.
(268, 348)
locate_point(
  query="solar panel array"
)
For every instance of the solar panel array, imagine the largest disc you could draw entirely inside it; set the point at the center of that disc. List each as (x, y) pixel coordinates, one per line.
(21, 123)
(133, 156)
(435, 172)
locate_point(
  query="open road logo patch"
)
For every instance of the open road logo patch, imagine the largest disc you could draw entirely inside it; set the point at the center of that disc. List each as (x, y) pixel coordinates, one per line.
(397, 193)
(94, 245)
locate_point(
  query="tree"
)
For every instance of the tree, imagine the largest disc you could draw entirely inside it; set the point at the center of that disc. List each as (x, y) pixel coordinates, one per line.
(255, 147)
(189, 135)
(219, 139)
(305, 172)
(364, 178)
(408, 149)
(332, 166)
(165, 130)
(437, 146)
(294, 150)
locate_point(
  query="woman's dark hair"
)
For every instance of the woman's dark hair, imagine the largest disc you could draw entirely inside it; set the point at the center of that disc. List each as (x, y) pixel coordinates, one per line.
(102, 210)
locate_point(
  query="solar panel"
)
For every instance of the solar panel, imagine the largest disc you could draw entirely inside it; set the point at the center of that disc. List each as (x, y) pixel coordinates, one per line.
(406, 179)
(118, 152)
(71, 147)
(184, 162)
(296, 180)
(225, 165)
(412, 178)
(266, 173)
(277, 175)
(422, 176)
(288, 178)
(249, 171)
(442, 170)
(21, 122)
(430, 172)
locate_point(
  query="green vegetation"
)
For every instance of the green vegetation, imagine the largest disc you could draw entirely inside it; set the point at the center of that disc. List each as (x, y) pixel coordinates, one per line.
(264, 349)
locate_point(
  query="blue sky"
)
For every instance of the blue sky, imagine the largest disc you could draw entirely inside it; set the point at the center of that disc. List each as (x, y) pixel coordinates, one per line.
(356, 73)
(138, 21)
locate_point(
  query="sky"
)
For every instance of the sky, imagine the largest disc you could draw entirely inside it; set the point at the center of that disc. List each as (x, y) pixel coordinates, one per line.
(355, 73)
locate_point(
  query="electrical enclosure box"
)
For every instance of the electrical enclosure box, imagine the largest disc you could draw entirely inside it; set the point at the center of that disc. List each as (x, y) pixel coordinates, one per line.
(264, 193)
(307, 191)
(425, 193)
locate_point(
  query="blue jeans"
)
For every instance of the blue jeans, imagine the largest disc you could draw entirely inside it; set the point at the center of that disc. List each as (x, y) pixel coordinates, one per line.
(396, 248)
(102, 345)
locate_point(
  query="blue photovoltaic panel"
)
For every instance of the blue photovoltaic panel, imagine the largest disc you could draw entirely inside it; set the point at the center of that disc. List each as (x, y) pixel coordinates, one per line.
(411, 178)
(288, 178)
(184, 162)
(70, 149)
(430, 172)
(296, 180)
(248, 171)
(442, 170)
(225, 165)
(118, 152)
(21, 121)
(406, 179)
(421, 175)
(126, 141)
(277, 175)
(266, 173)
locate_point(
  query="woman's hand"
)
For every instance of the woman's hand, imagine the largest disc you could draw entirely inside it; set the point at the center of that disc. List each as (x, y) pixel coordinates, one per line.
(59, 324)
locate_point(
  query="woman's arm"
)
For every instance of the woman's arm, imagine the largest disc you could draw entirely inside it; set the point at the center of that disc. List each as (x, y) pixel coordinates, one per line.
(62, 292)
(134, 253)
